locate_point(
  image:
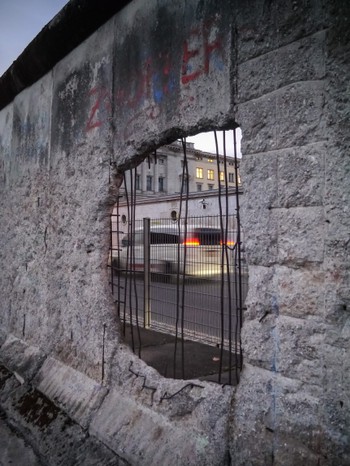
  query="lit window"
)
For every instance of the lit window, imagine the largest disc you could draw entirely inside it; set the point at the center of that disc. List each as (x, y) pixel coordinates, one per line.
(199, 172)
(210, 160)
(222, 176)
(210, 174)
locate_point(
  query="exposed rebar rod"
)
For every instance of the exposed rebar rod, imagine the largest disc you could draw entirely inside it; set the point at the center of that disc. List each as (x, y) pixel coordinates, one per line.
(240, 299)
(228, 281)
(222, 288)
(133, 259)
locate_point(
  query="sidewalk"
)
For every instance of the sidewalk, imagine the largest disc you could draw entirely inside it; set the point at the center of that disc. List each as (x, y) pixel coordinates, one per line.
(201, 361)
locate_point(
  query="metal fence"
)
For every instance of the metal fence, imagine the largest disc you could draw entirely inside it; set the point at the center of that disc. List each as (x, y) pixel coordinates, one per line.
(207, 277)
(185, 280)
(184, 277)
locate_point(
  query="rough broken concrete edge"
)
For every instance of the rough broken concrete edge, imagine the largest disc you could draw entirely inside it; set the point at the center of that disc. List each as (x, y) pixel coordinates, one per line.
(156, 438)
(57, 381)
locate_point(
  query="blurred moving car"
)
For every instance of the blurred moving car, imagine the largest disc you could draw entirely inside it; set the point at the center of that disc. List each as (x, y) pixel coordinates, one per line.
(194, 252)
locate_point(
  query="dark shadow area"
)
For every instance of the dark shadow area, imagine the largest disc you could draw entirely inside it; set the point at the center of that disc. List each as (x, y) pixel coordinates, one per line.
(202, 362)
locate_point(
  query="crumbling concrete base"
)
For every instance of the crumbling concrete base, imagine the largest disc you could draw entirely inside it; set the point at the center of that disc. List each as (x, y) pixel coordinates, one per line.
(70, 419)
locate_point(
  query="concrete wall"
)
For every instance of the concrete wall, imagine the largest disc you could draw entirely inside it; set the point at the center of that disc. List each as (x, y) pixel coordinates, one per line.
(150, 74)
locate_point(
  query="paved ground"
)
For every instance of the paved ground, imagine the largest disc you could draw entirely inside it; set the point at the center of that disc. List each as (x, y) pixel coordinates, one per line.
(13, 450)
(201, 361)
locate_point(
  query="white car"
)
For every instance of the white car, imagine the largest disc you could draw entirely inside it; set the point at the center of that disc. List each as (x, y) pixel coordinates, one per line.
(197, 252)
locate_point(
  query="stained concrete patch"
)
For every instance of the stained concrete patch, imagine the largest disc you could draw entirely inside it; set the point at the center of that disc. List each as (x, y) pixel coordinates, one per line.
(74, 392)
(55, 437)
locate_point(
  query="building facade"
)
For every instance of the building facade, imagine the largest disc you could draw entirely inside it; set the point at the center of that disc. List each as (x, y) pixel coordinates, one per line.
(162, 172)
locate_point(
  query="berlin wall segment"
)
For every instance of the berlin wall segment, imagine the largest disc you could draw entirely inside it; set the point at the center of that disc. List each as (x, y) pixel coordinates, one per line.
(79, 361)
(292, 404)
(287, 146)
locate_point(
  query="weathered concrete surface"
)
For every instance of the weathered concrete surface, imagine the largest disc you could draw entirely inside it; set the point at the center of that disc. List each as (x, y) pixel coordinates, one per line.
(23, 360)
(296, 154)
(14, 450)
(278, 70)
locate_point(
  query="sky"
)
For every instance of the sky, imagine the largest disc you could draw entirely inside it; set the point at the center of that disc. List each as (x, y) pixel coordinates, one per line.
(206, 142)
(20, 22)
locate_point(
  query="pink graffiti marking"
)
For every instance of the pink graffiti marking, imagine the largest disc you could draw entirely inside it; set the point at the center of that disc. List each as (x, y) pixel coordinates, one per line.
(198, 57)
(102, 99)
(154, 84)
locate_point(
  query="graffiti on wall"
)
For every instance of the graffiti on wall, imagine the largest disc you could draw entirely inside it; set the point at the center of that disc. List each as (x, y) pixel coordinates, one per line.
(157, 79)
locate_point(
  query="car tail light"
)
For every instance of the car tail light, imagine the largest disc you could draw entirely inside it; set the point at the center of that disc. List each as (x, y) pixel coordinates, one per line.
(228, 243)
(191, 242)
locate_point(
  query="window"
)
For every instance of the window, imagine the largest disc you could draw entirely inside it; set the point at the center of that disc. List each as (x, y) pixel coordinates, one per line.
(210, 174)
(149, 183)
(231, 177)
(137, 182)
(222, 176)
(164, 238)
(210, 160)
(199, 187)
(210, 187)
(160, 184)
(161, 161)
(199, 172)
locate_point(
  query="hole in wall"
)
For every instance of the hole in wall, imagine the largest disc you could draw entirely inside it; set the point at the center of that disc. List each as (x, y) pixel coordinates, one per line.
(180, 280)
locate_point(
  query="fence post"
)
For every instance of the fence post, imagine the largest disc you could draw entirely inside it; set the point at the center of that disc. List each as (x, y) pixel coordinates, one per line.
(147, 273)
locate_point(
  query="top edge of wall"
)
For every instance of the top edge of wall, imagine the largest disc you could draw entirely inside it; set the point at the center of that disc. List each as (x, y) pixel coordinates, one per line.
(72, 25)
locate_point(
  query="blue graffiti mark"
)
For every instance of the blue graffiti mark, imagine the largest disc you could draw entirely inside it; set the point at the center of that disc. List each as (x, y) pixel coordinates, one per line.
(157, 88)
(160, 88)
(217, 61)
